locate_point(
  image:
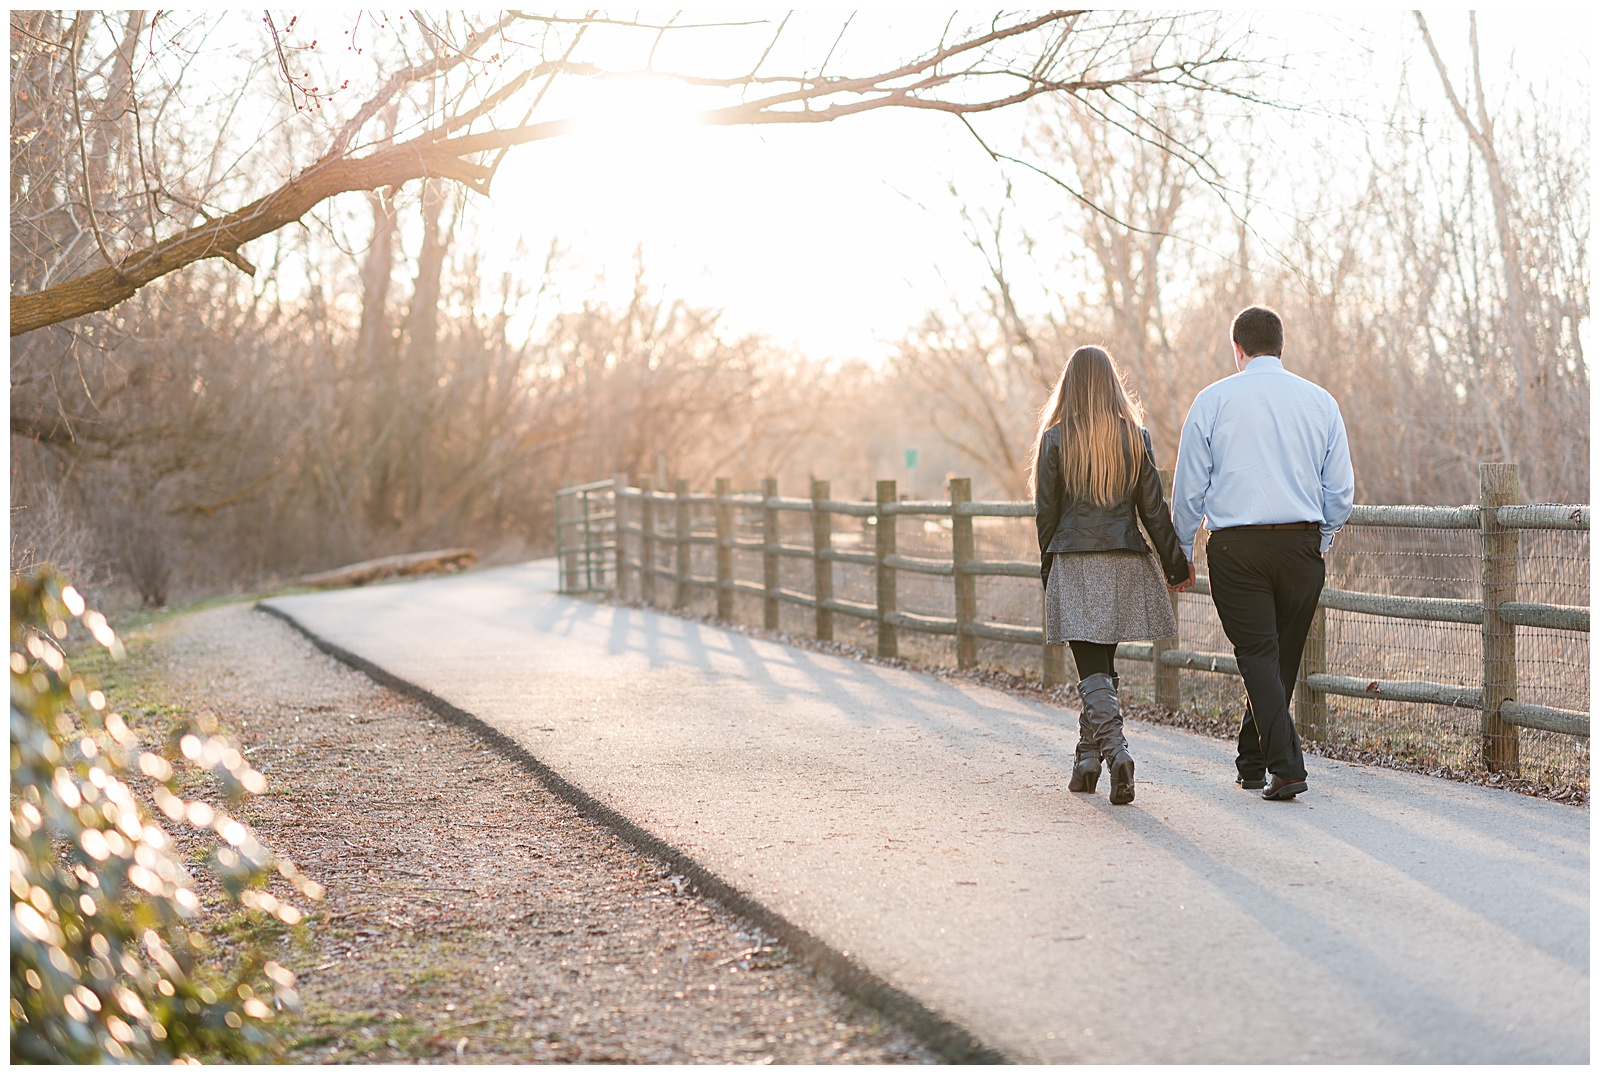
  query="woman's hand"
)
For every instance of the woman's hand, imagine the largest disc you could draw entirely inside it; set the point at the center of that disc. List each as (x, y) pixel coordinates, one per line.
(1186, 584)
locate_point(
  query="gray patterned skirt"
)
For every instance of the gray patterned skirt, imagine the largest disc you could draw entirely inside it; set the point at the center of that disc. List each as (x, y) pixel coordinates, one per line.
(1114, 596)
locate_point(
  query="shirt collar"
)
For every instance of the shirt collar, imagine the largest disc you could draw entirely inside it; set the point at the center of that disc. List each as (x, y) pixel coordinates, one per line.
(1262, 363)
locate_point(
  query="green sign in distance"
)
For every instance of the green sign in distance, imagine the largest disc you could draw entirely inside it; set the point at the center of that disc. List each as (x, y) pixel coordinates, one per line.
(911, 459)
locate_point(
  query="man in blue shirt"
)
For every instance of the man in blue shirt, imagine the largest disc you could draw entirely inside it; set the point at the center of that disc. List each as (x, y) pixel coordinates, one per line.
(1264, 459)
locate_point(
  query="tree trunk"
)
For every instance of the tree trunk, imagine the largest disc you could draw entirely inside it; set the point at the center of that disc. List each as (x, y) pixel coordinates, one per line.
(1521, 340)
(375, 341)
(420, 366)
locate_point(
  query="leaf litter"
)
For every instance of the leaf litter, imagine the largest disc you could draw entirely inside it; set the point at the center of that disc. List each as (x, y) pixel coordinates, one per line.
(472, 916)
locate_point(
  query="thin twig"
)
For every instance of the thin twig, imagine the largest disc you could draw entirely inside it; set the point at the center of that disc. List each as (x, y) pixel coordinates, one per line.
(83, 154)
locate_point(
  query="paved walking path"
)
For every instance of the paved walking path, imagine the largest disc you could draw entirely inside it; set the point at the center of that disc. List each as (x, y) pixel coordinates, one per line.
(923, 828)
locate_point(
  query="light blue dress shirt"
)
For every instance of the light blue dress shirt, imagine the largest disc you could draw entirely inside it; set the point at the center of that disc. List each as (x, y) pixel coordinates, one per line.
(1262, 446)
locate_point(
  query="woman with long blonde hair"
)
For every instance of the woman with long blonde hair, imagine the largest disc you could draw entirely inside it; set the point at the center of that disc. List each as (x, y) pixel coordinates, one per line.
(1094, 480)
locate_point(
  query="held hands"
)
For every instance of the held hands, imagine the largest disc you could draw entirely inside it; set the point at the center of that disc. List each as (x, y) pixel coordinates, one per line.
(1186, 584)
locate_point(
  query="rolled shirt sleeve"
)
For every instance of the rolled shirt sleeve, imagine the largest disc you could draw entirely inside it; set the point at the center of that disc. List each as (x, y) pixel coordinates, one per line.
(1338, 481)
(1192, 477)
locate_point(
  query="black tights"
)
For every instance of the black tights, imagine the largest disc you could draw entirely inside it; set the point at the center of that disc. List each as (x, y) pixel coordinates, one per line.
(1094, 657)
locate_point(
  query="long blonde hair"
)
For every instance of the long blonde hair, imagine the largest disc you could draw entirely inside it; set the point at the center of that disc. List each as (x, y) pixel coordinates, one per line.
(1101, 443)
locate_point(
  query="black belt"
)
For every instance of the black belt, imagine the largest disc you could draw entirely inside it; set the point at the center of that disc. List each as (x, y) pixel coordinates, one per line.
(1270, 526)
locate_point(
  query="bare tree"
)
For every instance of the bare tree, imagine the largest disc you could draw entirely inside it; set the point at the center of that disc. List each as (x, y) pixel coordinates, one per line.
(478, 81)
(984, 373)
(1135, 190)
(1527, 367)
(1439, 298)
(1481, 132)
(978, 390)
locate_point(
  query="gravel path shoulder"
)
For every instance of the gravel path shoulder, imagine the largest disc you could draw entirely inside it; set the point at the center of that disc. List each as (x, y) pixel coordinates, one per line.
(471, 914)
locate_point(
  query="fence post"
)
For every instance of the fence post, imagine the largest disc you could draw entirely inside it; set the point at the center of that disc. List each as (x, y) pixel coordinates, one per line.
(962, 549)
(1311, 706)
(1497, 483)
(888, 636)
(680, 495)
(647, 542)
(724, 515)
(769, 555)
(1055, 664)
(562, 570)
(822, 567)
(619, 486)
(1166, 675)
(588, 542)
(573, 555)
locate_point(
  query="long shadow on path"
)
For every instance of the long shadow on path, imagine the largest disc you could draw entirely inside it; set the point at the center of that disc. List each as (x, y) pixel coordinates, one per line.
(919, 829)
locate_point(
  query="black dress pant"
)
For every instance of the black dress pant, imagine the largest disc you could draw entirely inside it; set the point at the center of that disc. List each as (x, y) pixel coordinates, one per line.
(1265, 584)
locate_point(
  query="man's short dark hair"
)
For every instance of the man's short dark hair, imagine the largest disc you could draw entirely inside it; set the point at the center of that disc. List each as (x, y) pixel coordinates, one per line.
(1258, 330)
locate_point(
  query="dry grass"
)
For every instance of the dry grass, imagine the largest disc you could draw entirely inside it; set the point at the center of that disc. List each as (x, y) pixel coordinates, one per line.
(471, 914)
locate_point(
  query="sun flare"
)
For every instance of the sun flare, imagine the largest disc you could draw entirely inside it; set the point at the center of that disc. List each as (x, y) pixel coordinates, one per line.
(633, 110)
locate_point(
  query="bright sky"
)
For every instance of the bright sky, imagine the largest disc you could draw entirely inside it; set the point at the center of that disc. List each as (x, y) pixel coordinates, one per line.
(836, 238)
(814, 235)
(830, 237)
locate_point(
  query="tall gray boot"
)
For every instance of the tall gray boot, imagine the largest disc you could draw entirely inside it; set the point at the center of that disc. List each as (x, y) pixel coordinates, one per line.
(1104, 712)
(1086, 766)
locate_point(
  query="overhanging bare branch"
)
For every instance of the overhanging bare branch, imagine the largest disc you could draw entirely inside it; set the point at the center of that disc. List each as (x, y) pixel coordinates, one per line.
(966, 77)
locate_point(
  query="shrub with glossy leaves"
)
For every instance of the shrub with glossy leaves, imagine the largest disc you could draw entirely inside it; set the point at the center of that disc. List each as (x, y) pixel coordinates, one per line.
(103, 962)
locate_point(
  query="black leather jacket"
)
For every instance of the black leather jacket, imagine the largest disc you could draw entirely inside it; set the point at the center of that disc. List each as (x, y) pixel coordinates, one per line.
(1067, 525)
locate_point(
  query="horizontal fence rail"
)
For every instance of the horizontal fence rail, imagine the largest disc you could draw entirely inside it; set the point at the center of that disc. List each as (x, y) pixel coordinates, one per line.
(592, 517)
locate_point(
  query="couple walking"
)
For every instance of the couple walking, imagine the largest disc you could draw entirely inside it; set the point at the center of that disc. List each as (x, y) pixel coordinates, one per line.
(1263, 458)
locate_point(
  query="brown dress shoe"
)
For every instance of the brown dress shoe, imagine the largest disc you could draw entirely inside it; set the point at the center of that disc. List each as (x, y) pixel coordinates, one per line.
(1281, 790)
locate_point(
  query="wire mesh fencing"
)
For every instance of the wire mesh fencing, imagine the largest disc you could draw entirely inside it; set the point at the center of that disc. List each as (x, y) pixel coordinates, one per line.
(1452, 637)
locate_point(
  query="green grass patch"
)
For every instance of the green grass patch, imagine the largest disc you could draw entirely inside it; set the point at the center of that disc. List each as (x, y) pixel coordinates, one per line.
(134, 620)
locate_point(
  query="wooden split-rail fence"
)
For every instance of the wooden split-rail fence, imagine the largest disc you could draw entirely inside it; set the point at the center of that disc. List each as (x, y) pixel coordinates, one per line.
(590, 518)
